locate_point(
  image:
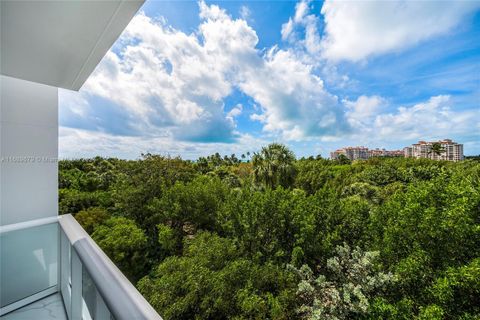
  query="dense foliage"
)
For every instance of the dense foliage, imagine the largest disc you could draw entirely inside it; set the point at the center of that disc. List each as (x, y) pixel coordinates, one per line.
(280, 238)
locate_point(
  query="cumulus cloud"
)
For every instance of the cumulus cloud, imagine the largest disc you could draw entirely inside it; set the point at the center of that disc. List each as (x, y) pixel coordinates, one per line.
(77, 143)
(362, 111)
(168, 81)
(431, 119)
(172, 83)
(236, 111)
(434, 118)
(355, 30)
(163, 89)
(245, 12)
(308, 23)
(293, 99)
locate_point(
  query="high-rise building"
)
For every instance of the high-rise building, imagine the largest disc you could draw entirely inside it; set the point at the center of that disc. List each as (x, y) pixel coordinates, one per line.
(385, 153)
(355, 153)
(352, 153)
(408, 152)
(449, 151)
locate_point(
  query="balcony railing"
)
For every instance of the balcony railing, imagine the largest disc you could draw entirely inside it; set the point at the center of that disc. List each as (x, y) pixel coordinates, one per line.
(41, 257)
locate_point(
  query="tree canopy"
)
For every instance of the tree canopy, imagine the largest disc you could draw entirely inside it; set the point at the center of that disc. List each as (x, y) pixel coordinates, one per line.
(275, 237)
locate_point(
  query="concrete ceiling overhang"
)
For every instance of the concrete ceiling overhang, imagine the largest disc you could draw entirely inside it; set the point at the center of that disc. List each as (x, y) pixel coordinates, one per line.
(59, 42)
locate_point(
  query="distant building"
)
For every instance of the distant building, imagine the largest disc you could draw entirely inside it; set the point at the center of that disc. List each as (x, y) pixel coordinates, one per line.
(408, 152)
(452, 151)
(335, 154)
(355, 153)
(352, 153)
(385, 153)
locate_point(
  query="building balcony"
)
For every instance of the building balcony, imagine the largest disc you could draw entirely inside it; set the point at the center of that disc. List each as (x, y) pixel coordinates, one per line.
(51, 269)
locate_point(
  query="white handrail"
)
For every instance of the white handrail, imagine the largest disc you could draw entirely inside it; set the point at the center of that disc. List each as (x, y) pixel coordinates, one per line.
(119, 294)
(28, 224)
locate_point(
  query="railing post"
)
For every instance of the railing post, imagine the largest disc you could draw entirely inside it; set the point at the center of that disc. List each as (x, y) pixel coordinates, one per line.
(65, 273)
(59, 259)
(101, 310)
(76, 286)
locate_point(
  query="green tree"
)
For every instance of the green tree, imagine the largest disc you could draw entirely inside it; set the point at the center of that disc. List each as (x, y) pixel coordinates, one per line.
(312, 175)
(457, 292)
(268, 225)
(91, 218)
(188, 207)
(124, 243)
(212, 281)
(144, 180)
(72, 201)
(436, 149)
(211, 244)
(274, 166)
(346, 288)
(428, 227)
(342, 159)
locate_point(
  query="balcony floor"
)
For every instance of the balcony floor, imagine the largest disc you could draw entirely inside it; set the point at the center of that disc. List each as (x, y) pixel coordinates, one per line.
(50, 307)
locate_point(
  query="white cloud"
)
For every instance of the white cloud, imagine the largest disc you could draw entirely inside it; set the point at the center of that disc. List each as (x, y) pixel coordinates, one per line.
(309, 22)
(77, 143)
(293, 99)
(432, 119)
(355, 30)
(301, 10)
(287, 29)
(245, 12)
(73, 102)
(173, 83)
(335, 79)
(236, 111)
(363, 109)
(169, 80)
(165, 89)
(258, 117)
(213, 12)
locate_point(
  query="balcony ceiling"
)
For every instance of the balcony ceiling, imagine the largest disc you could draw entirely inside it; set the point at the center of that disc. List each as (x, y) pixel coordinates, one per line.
(59, 43)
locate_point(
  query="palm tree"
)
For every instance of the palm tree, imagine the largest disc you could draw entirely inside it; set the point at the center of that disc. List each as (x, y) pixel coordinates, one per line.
(274, 166)
(342, 159)
(436, 149)
(248, 156)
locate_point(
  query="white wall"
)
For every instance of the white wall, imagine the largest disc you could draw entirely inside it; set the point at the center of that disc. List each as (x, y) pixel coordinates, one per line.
(28, 151)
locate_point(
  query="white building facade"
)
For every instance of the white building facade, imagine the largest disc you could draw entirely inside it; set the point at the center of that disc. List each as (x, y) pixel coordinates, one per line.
(363, 153)
(46, 45)
(450, 150)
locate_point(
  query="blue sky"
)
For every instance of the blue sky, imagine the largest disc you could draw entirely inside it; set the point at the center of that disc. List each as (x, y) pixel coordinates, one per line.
(193, 78)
